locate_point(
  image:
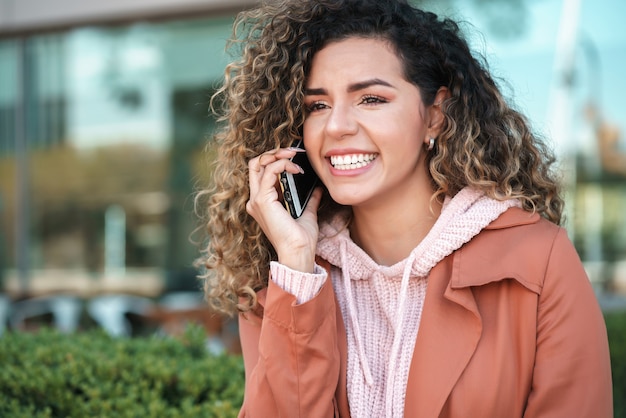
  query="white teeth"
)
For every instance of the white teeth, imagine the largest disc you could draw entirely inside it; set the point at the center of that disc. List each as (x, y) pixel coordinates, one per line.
(351, 162)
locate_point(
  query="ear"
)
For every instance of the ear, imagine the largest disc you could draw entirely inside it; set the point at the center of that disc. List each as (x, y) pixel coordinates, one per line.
(435, 113)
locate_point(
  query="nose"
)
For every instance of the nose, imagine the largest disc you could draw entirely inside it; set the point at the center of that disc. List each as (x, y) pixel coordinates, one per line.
(341, 122)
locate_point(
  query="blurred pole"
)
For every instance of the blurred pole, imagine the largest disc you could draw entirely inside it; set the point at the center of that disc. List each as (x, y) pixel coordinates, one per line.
(560, 112)
(564, 71)
(22, 212)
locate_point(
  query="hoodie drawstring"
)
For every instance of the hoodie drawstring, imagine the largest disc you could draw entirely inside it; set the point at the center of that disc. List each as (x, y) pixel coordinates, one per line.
(397, 334)
(353, 316)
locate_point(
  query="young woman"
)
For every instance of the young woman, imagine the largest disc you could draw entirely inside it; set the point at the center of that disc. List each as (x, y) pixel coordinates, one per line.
(428, 276)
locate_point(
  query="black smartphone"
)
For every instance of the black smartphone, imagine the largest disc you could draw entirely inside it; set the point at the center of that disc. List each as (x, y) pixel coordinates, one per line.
(297, 188)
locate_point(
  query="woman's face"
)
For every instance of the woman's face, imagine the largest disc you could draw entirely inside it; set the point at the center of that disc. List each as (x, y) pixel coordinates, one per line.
(366, 124)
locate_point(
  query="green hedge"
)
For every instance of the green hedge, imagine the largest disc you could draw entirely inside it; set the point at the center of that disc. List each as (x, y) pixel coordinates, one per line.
(616, 328)
(90, 374)
(49, 374)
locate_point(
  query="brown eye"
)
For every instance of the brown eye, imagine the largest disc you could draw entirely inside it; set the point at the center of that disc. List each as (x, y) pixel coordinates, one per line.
(316, 106)
(369, 99)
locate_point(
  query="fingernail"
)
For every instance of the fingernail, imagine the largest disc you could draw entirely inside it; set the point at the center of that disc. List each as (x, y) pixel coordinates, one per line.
(300, 169)
(296, 149)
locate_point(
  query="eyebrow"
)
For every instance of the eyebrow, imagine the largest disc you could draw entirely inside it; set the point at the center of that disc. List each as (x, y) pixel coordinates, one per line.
(351, 88)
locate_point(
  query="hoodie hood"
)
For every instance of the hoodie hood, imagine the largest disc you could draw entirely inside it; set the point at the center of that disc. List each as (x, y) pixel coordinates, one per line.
(461, 218)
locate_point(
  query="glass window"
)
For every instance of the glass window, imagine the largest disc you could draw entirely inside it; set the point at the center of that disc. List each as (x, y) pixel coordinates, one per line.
(115, 118)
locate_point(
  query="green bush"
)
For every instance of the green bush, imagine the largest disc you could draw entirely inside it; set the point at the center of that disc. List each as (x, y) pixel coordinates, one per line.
(616, 328)
(49, 374)
(90, 374)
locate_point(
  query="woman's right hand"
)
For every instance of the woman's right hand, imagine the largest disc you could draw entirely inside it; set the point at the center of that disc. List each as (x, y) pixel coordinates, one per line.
(294, 240)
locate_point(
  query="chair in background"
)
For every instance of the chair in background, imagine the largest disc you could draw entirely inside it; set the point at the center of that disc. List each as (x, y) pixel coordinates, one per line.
(110, 312)
(65, 311)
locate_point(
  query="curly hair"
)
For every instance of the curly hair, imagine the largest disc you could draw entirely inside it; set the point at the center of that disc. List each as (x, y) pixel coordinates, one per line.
(484, 143)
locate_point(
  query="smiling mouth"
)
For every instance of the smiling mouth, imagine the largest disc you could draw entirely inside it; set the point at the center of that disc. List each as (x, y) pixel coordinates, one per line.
(352, 161)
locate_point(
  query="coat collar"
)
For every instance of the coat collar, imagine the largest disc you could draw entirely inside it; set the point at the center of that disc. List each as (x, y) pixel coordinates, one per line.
(514, 217)
(485, 259)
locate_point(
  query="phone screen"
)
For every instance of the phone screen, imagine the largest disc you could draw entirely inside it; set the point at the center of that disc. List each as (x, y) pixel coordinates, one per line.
(297, 188)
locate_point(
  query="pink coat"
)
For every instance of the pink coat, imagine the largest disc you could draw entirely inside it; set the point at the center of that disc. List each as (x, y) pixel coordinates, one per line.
(510, 328)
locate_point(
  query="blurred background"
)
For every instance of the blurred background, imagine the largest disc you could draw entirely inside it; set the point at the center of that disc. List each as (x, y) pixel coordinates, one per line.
(104, 121)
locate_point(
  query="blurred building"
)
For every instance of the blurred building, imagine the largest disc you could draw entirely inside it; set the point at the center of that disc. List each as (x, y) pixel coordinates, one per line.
(104, 121)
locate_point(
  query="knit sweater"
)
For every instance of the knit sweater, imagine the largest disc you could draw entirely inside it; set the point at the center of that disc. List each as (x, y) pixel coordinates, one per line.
(382, 305)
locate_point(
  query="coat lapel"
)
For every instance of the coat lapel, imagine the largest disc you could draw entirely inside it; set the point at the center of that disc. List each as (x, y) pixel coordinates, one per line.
(449, 332)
